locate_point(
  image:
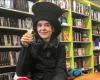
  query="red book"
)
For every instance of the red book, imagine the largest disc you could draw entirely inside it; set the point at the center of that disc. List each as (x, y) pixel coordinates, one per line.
(24, 78)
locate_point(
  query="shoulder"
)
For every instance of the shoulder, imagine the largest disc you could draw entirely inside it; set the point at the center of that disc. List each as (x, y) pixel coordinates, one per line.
(62, 46)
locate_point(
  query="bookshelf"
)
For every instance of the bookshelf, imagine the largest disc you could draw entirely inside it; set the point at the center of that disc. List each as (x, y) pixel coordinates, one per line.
(82, 38)
(95, 19)
(78, 33)
(15, 20)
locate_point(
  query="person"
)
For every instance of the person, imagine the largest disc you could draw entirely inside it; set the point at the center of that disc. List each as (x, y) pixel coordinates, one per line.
(44, 57)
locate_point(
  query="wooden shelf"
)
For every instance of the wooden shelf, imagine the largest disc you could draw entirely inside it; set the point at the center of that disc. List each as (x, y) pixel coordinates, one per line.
(15, 13)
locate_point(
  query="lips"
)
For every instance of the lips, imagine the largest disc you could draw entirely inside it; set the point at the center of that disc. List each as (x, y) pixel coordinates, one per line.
(43, 33)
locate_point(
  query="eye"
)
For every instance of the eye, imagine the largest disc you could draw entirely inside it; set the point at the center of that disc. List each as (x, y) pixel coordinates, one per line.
(48, 25)
(39, 25)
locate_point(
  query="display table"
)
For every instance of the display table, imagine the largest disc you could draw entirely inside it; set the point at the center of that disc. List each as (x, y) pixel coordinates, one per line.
(93, 76)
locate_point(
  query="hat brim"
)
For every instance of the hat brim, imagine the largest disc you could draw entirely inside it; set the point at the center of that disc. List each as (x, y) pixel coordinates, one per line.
(34, 0)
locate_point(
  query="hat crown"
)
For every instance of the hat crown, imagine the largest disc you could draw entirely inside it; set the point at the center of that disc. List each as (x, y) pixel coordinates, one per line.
(47, 9)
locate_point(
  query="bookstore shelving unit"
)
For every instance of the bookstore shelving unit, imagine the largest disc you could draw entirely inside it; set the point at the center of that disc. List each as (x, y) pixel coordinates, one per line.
(95, 19)
(77, 33)
(15, 20)
(65, 37)
(82, 35)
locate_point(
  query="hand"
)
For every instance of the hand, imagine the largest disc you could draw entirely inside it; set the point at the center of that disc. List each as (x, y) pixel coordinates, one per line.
(26, 38)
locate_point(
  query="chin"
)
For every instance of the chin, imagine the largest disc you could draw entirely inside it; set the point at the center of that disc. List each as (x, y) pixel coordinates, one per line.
(44, 37)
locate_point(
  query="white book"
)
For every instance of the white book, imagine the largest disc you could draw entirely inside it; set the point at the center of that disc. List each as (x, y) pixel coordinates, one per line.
(11, 58)
(11, 4)
(23, 23)
(74, 5)
(29, 23)
(82, 8)
(7, 3)
(99, 59)
(92, 14)
(2, 21)
(17, 55)
(66, 4)
(62, 4)
(99, 16)
(14, 40)
(5, 40)
(30, 4)
(53, 1)
(19, 23)
(1, 3)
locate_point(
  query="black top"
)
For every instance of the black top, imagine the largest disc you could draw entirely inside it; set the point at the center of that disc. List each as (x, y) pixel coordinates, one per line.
(41, 61)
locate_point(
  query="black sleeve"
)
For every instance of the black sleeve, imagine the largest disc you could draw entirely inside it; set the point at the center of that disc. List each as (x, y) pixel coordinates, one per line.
(61, 65)
(24, 63)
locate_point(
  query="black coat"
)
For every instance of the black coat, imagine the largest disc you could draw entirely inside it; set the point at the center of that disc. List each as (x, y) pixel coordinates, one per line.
(42, 62)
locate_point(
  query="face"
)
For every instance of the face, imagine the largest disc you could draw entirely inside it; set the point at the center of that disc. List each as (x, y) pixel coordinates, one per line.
(44, 30)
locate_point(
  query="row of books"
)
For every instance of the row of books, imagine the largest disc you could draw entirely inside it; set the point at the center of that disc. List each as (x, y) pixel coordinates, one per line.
(8, 58)
(78, 23)
(80, 8)
(16, 22)
(15, 4)
(7, 76)
(96, 58)
(76, 6)
(64, 35)
(24, 23)
(79, 51)
(63, 20)
(80, 36)
(95, 15)
(80, 63)
(96, 29)
(64, 4)
(9, 40)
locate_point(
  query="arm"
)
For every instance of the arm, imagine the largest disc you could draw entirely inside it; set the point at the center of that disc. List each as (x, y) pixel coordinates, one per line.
(24, 62)
(61, 65)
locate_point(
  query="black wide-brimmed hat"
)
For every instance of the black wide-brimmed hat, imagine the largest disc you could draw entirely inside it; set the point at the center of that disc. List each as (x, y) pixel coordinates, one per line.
(50, 12)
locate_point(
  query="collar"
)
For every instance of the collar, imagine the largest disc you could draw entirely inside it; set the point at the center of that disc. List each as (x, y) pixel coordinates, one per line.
(52, 44)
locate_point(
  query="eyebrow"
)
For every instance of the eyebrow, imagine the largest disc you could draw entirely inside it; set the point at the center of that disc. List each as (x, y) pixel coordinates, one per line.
(45, 23)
